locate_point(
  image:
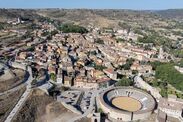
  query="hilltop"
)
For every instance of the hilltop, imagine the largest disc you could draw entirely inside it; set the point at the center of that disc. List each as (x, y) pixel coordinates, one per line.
(171, 13)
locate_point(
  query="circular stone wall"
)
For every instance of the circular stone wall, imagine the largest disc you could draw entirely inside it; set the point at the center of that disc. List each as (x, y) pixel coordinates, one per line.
(126, 103)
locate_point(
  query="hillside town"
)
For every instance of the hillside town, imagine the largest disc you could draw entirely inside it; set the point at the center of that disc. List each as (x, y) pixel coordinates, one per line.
(85, 68)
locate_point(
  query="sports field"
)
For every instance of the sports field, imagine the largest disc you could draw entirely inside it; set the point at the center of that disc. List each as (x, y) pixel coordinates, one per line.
(126, 103)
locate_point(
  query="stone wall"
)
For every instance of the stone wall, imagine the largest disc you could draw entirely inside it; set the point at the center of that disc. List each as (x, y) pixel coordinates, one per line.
(71, 108)
(142, 84)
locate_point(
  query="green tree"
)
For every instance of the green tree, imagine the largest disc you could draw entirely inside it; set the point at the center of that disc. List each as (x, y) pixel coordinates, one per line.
(134, 72)
(167, 73)
(128, 64)
(164, 93)
(71, 28)
(155, 64)
(118, 40)
(45, 33)
(53, 76)
(155, 83)
(124, 82)
(99, 41)
(99, 67)
(54, 32)
(177, 53)
(1, 26)
(124, 26)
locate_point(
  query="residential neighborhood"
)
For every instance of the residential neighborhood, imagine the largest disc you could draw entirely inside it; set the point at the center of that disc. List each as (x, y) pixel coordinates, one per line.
(68, 69)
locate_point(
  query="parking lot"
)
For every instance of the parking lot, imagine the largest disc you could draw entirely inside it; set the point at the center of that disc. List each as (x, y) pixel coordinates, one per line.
(79, 99)
(85, 101)
(70, 97)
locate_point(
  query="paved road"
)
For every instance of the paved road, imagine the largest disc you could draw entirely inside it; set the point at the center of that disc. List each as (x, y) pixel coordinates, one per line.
(23, 97)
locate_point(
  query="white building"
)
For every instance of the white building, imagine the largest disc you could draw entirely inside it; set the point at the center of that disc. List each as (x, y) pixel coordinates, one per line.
(59, 77)
(172, 106)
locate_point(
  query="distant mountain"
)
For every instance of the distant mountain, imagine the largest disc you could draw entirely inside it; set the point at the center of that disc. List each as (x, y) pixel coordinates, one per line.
(15, 13)
(171, 13)
(99, 17)
(107, 13)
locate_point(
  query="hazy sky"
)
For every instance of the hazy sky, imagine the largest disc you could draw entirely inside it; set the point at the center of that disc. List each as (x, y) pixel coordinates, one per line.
(99, 4)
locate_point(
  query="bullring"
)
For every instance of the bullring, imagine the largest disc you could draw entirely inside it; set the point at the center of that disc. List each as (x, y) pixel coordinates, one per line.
(126, 103)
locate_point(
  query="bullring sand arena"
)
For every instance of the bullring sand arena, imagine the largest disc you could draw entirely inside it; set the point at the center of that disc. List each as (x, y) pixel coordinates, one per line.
(126, 103)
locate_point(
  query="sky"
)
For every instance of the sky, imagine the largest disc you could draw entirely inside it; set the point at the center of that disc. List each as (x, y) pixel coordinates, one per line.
(94, 4)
